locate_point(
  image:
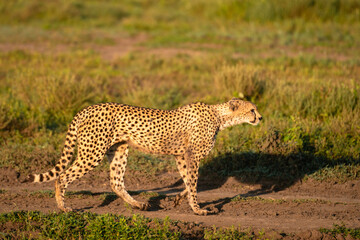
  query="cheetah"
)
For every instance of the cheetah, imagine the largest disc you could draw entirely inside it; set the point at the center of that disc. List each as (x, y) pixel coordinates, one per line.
(188, 133)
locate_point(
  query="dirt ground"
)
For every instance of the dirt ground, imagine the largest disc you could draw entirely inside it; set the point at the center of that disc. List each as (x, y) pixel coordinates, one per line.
(301, 208)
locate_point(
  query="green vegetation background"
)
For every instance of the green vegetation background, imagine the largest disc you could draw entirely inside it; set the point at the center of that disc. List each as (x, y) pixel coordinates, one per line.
(297, 60)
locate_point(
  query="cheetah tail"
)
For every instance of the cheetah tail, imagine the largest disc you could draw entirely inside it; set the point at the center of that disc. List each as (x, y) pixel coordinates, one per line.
(65, 158)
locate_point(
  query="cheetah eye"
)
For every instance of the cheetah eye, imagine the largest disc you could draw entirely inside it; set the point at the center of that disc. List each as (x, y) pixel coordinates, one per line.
(253, 110)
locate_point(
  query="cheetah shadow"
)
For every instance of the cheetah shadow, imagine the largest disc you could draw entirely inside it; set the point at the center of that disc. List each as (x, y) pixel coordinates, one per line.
(109, 197)
(270, 172)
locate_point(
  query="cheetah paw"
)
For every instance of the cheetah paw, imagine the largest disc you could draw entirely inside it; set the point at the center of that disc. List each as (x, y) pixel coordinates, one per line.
(144, 206)
(177, 200)
(201, 212)
(66, 209)
(204, 212)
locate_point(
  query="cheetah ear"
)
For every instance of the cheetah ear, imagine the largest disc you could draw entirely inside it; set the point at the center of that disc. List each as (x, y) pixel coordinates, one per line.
(234, 104)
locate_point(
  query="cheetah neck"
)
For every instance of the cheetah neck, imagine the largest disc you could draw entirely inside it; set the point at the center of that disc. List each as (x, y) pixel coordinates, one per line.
(226, 117)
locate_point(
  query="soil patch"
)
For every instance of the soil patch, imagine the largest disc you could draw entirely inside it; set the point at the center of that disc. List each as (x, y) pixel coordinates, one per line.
(303, 208)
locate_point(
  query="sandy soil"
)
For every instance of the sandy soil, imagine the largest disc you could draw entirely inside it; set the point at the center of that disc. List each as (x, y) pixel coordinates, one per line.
(302, 207)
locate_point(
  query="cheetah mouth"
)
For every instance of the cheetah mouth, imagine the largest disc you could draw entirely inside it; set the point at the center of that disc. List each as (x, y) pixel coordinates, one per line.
(254, 122)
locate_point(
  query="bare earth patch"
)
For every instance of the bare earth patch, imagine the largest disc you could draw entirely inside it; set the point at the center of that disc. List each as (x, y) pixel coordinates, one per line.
(119, 47)
(302, 208)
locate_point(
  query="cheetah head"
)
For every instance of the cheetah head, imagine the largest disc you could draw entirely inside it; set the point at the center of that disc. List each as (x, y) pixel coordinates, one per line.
(243, 112)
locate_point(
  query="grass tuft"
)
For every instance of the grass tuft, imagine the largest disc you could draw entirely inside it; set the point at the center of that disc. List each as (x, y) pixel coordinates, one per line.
(342, 230)
(85, 225)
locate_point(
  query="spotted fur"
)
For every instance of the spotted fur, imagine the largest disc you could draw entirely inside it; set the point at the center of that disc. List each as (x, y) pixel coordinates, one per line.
(188, 133)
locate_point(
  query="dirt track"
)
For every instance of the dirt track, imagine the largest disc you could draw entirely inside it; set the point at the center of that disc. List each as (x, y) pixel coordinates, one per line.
(301, 207)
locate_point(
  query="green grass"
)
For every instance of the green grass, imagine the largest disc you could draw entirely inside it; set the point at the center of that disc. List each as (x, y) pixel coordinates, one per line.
(36, 225)
(343, 231)
(33, 225)
(231, 233)
(298, 62)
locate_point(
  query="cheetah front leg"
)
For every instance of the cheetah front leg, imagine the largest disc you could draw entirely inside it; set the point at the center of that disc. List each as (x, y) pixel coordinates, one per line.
(191, 186)
(191, 180)
(117, 155)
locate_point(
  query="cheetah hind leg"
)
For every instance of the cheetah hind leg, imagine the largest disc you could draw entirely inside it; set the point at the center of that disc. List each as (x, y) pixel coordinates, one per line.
(117, 156)
(59, 195)
(78, 169)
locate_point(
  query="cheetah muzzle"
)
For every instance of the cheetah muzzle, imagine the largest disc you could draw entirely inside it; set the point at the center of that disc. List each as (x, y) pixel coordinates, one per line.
(188, 133)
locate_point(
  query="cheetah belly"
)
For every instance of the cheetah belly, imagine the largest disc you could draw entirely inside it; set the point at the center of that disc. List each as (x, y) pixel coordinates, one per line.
(173, 143)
